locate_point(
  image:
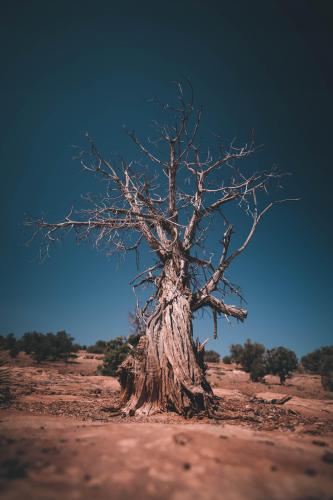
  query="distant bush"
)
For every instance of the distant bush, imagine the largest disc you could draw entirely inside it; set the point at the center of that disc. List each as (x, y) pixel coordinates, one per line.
(252, 360)
(49, 346)
(98, 348)
(227, 360)
(236, 352)
(258, 370)
(313, 361)
(11, 344)
(258, 362)
(326, 372)
(115, 353)
(211, 357)
(5, 394)
(251, 357)
(251, 352)
(282, 362)
(320, 362)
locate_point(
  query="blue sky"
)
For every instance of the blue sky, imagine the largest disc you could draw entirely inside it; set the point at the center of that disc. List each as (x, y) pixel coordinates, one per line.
(72, 67)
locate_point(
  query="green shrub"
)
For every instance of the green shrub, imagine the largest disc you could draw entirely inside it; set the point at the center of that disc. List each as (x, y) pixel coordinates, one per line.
(5, 395)
(251, 357)
(115, 353)
(211, 357)
(313, 361)
(236, 352)
(258, 369)
(227, 360)
(48, 347)
(320, 361)
(99, 347)
(251, 352)
(11, 344)
(282, 362)
(326, 372)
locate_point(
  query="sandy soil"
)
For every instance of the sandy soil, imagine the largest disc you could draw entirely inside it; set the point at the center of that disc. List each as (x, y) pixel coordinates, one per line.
(58, 439)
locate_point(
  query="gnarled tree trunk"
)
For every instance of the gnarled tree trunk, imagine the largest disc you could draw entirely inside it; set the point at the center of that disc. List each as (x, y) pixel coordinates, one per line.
(166, 371)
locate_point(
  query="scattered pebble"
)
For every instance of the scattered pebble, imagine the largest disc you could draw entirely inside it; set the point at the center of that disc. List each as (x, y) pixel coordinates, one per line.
(181, 439)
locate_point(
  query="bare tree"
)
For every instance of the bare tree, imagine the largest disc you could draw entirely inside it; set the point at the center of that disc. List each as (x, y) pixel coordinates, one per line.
(168, 202)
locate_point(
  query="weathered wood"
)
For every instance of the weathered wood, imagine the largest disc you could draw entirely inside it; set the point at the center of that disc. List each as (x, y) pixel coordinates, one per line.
(166, 371)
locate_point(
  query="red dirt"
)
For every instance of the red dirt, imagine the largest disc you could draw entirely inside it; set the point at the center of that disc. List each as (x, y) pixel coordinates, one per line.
(59, 440)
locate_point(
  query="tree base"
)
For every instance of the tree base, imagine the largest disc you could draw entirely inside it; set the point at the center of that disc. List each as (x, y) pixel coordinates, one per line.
(148, 388)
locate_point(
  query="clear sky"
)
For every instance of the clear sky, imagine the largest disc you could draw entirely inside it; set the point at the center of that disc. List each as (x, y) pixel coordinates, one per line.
(68, 67)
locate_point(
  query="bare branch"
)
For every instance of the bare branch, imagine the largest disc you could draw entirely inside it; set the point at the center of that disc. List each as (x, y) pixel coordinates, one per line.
(146, 271)
(219, 306)
(256, 220)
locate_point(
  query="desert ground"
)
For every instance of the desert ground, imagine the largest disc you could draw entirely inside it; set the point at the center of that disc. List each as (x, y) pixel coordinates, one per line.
(60, 440)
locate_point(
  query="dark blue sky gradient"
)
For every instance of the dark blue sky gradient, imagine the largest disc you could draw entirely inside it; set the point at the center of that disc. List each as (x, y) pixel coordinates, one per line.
(68, 67)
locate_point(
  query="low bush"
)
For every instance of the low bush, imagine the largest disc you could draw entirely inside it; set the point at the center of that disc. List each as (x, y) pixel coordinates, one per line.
(313, 361)
(326, 372)
(251, 352)
(49, 346)
(258, 370)
(258, 362)
(115, 353)
(282, 362)
(11, 344)
(98, 348)
(320, 362)
(211, 357)
(5, 394)
(236, 352)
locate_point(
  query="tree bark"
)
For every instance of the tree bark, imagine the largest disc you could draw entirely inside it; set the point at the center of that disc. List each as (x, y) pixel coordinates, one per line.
(166, 371)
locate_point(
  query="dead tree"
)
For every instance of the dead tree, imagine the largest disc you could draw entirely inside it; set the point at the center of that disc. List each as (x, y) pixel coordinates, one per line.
(168, 202)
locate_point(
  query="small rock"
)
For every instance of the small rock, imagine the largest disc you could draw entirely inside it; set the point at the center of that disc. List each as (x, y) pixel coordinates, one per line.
(310, 472)
(317, 442)
(328, 457)
(181, 439)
